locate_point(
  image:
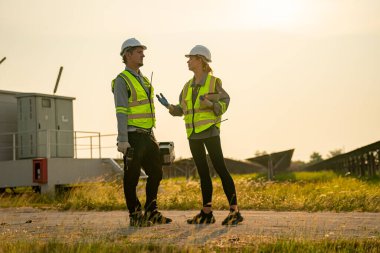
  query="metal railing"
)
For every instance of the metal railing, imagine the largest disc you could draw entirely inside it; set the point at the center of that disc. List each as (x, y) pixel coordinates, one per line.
(46, 143)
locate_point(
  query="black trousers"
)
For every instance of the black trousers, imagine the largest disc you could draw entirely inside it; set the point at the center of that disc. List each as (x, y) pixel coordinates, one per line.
(198, 150)
(146, 155)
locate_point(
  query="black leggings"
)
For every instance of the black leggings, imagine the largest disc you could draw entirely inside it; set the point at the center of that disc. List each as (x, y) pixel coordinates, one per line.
(214, 149)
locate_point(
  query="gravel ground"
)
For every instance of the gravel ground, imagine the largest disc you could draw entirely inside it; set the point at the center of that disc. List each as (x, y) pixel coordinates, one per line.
(78, 226)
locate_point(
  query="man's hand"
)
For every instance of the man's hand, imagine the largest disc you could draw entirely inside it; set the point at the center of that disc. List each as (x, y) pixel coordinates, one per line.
(163, 100)
(123, 147)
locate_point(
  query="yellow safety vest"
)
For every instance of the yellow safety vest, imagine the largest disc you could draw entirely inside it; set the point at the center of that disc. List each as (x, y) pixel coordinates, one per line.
(140, 110)
(198, 119)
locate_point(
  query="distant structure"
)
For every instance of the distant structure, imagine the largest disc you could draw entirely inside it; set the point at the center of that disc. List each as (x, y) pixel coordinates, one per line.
(274, 162)
(186, 168)
(38, 141)
(364, 161)
(45, 126)
(8, 123)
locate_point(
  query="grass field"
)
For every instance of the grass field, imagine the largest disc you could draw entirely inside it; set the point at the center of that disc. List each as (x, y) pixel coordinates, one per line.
(288, 246)
(300, 191)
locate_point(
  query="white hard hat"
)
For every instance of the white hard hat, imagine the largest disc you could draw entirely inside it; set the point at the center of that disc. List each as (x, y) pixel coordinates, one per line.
(200, 50)
(132, 42)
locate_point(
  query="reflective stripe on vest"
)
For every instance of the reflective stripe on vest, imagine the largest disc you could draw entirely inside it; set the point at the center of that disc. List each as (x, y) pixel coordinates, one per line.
(198, 119)
(140, 110)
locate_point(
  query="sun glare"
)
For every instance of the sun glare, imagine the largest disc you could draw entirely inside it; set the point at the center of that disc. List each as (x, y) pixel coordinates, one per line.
(272, 14)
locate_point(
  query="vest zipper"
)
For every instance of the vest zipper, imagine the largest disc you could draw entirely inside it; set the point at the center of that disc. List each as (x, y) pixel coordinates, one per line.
(197, 88)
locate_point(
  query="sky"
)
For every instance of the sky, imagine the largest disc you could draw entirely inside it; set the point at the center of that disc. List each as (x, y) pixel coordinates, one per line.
(302, 74)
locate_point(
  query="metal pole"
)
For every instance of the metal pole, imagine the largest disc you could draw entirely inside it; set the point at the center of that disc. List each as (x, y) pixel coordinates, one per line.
(100, 147)
(59, 77)
(270, 168)
(91, 146)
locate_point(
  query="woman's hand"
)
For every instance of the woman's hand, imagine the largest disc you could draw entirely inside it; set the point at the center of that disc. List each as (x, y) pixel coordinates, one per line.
(205, 103)
(161, 98)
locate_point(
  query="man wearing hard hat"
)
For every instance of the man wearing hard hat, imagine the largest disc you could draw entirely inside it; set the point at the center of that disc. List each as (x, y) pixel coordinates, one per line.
(133, 95)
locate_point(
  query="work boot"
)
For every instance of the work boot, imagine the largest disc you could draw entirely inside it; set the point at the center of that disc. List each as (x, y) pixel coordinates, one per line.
(135, 219)
(202, 218)
(155, 217)
(233, 218)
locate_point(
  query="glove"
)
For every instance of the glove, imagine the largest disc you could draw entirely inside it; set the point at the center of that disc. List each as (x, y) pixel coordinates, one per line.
(123, 146)
(163, 100)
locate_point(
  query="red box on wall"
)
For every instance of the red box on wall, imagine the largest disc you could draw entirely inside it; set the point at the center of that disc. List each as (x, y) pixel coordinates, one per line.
(40, 171)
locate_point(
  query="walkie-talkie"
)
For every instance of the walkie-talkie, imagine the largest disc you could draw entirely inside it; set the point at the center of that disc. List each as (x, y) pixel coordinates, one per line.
(129, 154)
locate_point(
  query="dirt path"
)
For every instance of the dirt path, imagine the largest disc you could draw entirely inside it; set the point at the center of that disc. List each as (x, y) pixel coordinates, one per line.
(72, 226)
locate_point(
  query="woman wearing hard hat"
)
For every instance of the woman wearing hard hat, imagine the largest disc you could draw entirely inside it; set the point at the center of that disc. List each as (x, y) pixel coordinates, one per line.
(202, 101)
